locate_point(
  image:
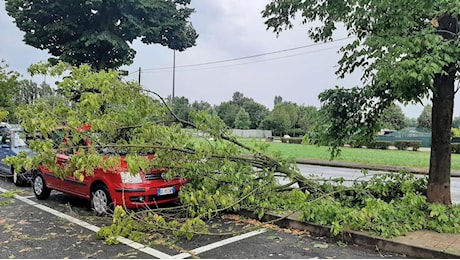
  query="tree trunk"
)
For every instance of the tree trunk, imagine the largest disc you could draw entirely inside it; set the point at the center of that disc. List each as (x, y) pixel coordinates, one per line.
(440, 158)
(441, 115)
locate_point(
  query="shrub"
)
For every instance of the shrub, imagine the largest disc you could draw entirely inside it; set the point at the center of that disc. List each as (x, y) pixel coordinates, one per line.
(378, 145)
(291, 140)
(356, 144)
(306, 139)
(401, 145)
(415, 145)
(455, 148)
(295, 140)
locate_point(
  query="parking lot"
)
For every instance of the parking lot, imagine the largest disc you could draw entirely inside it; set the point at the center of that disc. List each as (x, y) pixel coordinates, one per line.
(64, 227)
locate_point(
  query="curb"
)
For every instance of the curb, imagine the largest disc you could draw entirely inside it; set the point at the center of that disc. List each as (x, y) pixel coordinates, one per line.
(355, 237)
(369, 166)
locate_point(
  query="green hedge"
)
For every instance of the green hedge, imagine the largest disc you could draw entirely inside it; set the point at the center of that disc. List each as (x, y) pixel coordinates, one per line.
(403, 145)
(291, 140)
(378, 145)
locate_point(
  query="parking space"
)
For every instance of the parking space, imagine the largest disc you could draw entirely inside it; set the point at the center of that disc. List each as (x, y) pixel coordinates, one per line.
(64, 227)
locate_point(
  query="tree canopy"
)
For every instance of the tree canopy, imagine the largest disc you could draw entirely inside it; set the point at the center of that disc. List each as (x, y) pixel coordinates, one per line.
(9, 85)
(407, 50)
(100, 32)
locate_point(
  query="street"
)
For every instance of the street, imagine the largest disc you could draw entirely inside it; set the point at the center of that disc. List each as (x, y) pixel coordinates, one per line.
(352, 174)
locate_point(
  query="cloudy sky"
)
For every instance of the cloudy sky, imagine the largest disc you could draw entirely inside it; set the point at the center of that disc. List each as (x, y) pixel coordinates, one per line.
(229, 30)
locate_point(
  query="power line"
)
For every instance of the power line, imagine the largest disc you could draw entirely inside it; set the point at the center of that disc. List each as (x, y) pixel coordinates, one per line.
(244, 63)
(248, 57)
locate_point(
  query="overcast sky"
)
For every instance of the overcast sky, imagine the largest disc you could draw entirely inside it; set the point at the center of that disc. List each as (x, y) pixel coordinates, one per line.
(228, 29)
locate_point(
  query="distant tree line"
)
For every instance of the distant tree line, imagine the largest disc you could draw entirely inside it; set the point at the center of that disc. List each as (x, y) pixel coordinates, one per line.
(240, 112)
(286, 117)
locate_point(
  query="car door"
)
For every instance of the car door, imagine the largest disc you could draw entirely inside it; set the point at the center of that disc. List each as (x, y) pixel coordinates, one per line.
(70, 184)
(5, 151)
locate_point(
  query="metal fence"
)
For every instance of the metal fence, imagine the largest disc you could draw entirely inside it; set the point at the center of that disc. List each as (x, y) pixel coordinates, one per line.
(408, 134)
(250, 133)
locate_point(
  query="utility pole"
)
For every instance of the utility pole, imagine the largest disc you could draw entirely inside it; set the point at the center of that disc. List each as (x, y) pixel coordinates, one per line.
(139, 79)
(174, 75)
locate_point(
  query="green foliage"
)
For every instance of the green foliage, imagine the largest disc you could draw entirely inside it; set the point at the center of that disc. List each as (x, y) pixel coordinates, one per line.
(137, 226)
(228, 111)
(456, 122)
(224, 174)
(455, 132)
(242, 119)
(415, 145)
(181, 107)
(11, 193)
(407, 51)
(99, 32)
(393, 118)
(424, 120)
(9, 84)
(387, 205)
(455, 148)
(379, 145)
(403, 145)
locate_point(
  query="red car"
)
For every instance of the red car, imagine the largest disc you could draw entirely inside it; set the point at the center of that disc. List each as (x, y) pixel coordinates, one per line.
(111, 188)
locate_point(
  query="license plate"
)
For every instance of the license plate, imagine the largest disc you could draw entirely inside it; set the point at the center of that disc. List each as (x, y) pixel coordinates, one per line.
(166, 191)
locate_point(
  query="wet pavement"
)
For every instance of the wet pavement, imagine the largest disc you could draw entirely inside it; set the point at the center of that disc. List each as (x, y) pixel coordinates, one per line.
(64, 227)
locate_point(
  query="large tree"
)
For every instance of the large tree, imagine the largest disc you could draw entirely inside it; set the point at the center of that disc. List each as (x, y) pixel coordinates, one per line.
(99, 32)
(407, 49)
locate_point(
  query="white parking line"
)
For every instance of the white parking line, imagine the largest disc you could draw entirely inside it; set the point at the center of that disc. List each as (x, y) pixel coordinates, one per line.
(135, 245)
(219, 244)
(128, 242)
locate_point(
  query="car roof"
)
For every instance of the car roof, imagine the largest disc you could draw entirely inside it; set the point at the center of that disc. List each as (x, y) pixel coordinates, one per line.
(9, 127)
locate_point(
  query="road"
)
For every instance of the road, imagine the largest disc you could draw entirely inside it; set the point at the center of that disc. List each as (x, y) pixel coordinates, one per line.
(353, 174)
(64, 227)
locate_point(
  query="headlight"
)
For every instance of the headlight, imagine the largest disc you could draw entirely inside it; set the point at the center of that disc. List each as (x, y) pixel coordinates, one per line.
(127, 177)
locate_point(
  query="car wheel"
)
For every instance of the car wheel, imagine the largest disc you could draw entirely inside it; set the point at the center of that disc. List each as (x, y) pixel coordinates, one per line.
(101, 201)
(19, 179)
(41, 191)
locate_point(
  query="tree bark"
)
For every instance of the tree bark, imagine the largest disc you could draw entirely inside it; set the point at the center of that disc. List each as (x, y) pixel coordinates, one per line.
(442, 112)
(440, 158)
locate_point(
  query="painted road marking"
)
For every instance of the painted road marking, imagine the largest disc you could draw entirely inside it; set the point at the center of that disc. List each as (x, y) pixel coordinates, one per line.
(219, 244)
(128, 242)
(135, 245)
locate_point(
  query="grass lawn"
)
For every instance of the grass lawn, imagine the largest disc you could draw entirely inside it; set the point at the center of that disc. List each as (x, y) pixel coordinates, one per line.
(420, 159)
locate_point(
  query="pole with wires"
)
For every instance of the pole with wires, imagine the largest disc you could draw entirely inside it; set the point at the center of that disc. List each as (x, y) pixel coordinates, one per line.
(139, 77)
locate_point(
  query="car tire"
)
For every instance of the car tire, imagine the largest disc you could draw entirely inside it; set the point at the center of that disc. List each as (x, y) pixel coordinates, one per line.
(39, 186)
(101, 202)
(19, 179)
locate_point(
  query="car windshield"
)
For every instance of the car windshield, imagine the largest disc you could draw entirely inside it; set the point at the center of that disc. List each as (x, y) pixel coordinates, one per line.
(18, 138)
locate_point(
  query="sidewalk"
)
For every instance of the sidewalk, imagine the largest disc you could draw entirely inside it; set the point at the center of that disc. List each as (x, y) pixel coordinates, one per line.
(420, 244)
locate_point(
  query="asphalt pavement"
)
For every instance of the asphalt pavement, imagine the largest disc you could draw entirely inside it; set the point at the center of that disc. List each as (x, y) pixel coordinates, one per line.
(64, 227)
